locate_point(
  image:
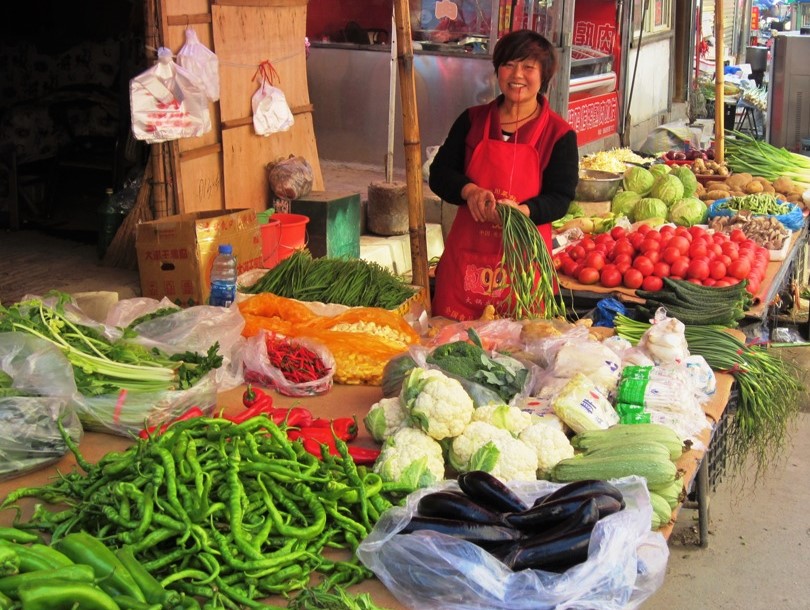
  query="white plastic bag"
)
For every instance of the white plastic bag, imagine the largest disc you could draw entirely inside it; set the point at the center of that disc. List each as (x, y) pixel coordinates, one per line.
(259, 370)
(271, 113)
(425, 570)
(167, 102)
(29, 435)
(202, 62)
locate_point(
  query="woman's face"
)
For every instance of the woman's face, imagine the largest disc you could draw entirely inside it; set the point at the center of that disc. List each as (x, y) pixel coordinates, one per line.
(520, 80)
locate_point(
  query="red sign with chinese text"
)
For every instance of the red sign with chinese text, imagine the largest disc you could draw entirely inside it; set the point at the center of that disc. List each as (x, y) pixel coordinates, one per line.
(594, 118)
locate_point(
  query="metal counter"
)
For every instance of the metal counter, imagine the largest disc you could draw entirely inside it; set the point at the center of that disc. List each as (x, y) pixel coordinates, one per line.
(348, 87)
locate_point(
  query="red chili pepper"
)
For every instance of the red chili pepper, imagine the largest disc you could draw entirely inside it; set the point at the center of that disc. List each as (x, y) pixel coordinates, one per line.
(345, 427)
(253, 396)
(189, 414)
(296, 417)
(345, 431)
(297, 363)
(362, 456)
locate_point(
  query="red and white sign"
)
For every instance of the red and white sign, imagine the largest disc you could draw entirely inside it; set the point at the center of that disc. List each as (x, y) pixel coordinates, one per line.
(594, 118)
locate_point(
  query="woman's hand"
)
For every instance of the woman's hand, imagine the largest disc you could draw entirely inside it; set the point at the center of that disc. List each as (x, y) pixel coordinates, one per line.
(522, 207)
(481, 203)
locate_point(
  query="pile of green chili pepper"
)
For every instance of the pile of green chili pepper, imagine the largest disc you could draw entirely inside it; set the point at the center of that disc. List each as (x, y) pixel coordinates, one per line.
(233, 513)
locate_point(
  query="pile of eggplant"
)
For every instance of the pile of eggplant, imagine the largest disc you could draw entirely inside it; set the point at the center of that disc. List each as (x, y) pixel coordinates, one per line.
(552, 534)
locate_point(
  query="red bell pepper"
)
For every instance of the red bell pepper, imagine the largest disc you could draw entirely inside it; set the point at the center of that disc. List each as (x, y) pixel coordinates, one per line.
(189, 414)
(296, 417)
(345, 427)
(256, 396)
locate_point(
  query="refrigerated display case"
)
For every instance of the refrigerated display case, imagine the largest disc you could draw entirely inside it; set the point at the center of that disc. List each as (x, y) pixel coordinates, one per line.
(788, 113)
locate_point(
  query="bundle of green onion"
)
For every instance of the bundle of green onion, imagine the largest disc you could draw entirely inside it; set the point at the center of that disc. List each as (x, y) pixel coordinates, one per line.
(769, 388)
(529, 268)
(745, 153)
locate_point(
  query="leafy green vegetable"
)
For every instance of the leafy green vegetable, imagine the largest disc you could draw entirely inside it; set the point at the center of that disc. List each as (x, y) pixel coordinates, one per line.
(624, 202)
(101, 365)
(649, 207)
(158, 313)
(668, 189)
(639, 180)
(327, 596)
(687, 212)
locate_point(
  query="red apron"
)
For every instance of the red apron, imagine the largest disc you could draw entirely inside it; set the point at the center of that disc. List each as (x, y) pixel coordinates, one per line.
(469, 275)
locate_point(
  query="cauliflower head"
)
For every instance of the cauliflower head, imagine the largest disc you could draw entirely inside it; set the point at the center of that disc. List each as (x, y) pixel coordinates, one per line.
(385, 417)
(412, 458)
(437, 404)
(511, 419)
(550, 445)
(483, 446)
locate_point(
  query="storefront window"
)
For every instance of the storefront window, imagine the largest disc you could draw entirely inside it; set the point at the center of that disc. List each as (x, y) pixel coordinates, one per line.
(450, 20)
(658, 17)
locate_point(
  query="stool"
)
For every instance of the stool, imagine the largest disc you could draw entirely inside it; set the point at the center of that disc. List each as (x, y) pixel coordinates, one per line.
(747, 116)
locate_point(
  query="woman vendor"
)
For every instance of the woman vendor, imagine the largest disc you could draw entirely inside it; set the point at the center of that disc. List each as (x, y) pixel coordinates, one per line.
(513, 151)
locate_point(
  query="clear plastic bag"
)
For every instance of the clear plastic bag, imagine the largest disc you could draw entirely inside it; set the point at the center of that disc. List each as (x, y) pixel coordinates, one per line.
(425, 570)
(271, 113)
(167, 102)
(259, 370)
(29, 435)
(201, 61)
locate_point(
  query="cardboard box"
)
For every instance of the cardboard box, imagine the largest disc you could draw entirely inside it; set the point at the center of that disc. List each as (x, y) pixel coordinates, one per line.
(176, 253)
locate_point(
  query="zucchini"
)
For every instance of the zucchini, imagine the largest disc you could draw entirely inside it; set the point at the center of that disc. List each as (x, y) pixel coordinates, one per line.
(624, 447)
(656, 471)
(590, 440)
(661, 507)
(671, 492)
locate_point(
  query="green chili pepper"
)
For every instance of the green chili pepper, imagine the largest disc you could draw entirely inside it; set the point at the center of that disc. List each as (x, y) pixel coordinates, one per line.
(9, 561)
(65, 595)
(152, 590)
(10, 585)
(12, 534)
(5, 602)
(31, 559)
(114, 578)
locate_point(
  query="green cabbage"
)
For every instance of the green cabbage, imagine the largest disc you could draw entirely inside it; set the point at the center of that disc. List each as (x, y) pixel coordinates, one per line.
(687, 178)
(660, 169)
(639, 180)
(649, 207)
(687, 212)
(623, 203)
(668, 189)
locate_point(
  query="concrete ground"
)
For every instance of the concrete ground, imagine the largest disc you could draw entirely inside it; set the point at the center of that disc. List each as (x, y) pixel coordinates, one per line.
(759, 537)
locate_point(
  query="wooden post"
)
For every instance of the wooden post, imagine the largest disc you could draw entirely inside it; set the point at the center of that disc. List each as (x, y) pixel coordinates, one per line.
(719, 81)
(413, 151)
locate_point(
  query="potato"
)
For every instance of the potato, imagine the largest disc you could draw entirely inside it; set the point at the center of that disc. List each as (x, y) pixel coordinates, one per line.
(755, 186)
(783, 184)
(716, 185)
(716, 194)
(738, 181)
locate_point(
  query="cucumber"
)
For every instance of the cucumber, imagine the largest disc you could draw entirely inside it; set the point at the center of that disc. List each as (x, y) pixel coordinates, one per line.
(661, 507)
(671, 492)
(656, 470)
(625, 447)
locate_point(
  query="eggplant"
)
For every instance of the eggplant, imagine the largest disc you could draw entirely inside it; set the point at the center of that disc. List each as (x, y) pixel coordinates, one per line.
(451, 505)
(607, 505)
(586, 487)
(545, 515)
(490, 492)
(556, 554)
(467, 530)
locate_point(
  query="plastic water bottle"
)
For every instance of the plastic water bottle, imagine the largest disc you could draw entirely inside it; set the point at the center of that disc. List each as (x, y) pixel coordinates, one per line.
(223, 277)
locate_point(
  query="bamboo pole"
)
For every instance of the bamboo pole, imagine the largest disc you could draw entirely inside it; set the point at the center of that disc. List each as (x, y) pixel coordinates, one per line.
(719, 81)
(413, 152)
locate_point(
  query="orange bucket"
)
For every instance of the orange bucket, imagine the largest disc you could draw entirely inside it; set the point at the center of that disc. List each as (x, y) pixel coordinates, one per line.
(293, 235)
(271, 236)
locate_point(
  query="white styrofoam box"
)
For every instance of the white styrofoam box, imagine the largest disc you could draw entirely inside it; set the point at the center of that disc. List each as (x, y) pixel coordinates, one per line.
(377, 250)
(434, 242)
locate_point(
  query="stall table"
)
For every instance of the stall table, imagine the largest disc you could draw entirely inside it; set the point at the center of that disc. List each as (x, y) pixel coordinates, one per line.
(344, 401)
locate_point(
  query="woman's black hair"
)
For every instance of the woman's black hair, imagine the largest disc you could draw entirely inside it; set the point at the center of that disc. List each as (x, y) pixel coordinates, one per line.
(527, 44)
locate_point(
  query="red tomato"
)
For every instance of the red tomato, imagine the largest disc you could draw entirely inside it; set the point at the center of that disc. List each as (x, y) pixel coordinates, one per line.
(653, 255)
(683, 232)
(730, 249)
(636, 239)
(679, 266)
(623, 258)
(571, 267)
(643, 229)
(697, 249)
(696, 231)
(680, 242)
(698, 269)
(587, 243)
(604, 238)
(737, 235)
(717, 269)
(752, 287)
(623, 266)
(588, 275)
(618, 232)
(610, 276)
(739, 269)
(721, 283)
(709, 281)
(577, 252)
(633, 278)
(661, 269)
(652, 283)
(650, 243)
(643, 264)
(719, 238)
(667, 231)
(623, 246)
(670, 254)
(594, 259)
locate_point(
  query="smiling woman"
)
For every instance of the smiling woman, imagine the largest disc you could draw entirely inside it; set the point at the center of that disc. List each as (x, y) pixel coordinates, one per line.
(513, 151)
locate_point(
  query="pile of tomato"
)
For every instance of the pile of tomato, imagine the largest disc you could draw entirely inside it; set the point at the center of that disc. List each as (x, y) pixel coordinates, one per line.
(641, 257)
